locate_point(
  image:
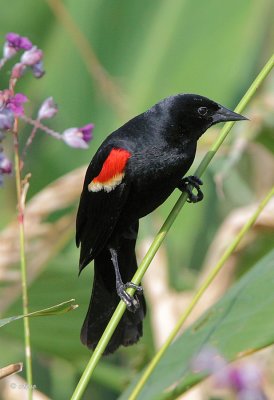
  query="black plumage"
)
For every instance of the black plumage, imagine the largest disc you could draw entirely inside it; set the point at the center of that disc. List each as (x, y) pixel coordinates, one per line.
(158, 147)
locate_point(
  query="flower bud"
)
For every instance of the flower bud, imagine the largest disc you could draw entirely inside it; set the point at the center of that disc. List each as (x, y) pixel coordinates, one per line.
(18, 70)
(32, 56)
(8, 51)
(48, 109)
(78, 137)
(87, 132)
(5, 164)
(14, 43)
(38, 69)
(18, 42)
(6, 119)
(15, 103)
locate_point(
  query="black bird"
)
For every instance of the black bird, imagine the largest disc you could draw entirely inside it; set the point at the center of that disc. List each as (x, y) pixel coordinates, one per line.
(134, 171)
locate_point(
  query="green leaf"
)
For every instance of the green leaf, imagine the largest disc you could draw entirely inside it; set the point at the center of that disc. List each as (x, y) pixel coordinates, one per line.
(239, 324)
(54, 310)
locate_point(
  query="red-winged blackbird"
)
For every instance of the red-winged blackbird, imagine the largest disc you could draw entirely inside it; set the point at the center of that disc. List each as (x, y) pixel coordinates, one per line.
(134, 170)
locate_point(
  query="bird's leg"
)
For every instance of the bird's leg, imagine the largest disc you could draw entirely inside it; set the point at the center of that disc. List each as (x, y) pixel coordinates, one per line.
(187, 184)
(132, 303)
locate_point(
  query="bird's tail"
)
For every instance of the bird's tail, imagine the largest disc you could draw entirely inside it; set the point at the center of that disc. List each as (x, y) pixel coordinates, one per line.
(104, 300)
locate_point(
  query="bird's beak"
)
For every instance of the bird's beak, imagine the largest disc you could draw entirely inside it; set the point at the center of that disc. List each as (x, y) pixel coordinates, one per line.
(223, 114)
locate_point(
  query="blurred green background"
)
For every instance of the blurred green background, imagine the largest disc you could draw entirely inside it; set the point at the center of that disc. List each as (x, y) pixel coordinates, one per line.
(147, 50)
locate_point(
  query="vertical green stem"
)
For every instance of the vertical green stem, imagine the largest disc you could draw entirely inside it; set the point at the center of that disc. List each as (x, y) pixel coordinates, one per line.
(201, 168)
(214, 272)
(23, 260)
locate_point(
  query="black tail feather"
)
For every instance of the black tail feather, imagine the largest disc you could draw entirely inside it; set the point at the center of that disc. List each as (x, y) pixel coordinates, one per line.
(104, 300)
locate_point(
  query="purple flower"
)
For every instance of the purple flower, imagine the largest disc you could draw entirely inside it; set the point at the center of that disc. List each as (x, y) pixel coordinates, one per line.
(245, 376)
(244, 380)
(6, 119)
(48, 109)
(33, 59)
(8, 51)
(87, 132)
(14, 43)
(5, 167)
(9, 103)
(32, 56)
(18, 42)
(38, 69)
(15, 103)
(5, 164)
(78, 137)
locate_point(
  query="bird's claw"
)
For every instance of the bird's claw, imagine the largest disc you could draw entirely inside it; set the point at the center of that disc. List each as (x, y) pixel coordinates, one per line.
(132, 285)
(132, 302)
(187, 184)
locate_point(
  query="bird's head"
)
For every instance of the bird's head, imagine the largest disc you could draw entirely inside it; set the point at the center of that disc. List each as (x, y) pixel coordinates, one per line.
(194, 114)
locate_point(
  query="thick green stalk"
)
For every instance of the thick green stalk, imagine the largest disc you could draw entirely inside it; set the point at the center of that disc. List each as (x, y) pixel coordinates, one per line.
(82, 384)
(20, 206)
(214, 272)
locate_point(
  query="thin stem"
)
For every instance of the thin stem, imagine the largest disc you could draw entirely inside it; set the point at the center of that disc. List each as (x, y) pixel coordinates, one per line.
(82, 384)
(29, 142)
(22, 258)
(38, 125)
(214, 272)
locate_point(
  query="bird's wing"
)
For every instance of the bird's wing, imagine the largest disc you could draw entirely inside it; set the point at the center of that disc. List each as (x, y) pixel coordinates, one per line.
(104, 193)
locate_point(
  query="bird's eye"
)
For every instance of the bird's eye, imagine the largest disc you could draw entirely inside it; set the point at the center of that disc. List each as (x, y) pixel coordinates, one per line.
(202, 111)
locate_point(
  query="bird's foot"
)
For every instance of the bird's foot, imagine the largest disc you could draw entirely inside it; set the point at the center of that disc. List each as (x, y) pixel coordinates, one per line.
(132, 302)
(187, 184)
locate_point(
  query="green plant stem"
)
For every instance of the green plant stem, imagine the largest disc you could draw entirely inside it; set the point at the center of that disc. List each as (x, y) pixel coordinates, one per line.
(23, 260)
(214, 272)
(82, 384)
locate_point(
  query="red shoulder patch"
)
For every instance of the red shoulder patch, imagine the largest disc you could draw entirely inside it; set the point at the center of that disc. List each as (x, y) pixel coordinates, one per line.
(114, 164)
(112, 171)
